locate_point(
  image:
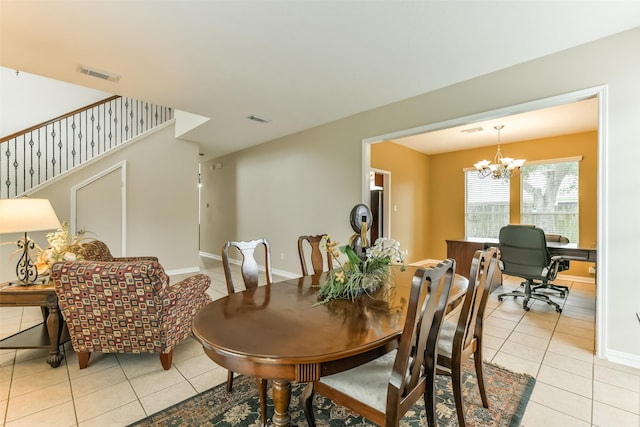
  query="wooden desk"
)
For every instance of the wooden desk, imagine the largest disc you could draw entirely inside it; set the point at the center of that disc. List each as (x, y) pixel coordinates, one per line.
(49, 334)
(274, 332)
(462, 251)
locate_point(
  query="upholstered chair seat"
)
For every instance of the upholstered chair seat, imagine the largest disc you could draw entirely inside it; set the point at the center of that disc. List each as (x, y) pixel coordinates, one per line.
(366, 383)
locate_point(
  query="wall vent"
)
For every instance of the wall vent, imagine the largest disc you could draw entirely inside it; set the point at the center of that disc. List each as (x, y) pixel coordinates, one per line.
(258, 119)
(99, 74)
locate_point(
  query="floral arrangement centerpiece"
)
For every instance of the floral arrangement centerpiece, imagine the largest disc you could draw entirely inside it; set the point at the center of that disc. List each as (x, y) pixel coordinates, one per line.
(63, 247)
(356, 276)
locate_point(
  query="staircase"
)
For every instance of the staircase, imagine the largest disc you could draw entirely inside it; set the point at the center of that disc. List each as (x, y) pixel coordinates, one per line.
(32, 157)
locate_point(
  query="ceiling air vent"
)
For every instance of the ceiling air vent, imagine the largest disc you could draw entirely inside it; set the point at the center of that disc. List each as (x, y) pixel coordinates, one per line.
(258, 119)
(472, 130)
(99, 74)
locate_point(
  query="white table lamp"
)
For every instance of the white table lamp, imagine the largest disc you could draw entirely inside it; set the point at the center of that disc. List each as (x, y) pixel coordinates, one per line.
(23, 215)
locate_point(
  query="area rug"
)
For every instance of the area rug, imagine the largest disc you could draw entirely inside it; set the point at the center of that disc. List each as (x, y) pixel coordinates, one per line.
(508, 394)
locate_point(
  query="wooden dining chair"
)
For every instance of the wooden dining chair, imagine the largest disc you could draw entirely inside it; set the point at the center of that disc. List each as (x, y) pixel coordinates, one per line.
(316, 256)
(251, 277)
(461, 338)
(384, 389)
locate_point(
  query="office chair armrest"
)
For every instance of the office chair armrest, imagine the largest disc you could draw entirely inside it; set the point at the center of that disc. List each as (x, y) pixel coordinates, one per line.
(559, 258)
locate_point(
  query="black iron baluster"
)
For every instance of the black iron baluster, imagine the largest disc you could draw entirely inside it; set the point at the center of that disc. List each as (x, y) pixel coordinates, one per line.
(8, 181)
(53, 149)
(110, 128)
(73, 146)
(122, 118)
(146, 115)
(46, 153)
(93, 142)
(15, 167)
(127, 119)
(39, 155)
(31, 170)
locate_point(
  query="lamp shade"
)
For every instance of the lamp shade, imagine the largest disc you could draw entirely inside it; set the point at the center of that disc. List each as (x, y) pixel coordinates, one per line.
(25, 214)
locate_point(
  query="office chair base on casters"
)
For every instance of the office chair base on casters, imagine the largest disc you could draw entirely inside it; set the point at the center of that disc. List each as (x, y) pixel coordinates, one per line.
(564, 290)
(527, 295)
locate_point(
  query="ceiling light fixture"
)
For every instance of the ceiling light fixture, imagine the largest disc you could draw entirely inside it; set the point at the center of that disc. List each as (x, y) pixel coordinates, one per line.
(502, 167)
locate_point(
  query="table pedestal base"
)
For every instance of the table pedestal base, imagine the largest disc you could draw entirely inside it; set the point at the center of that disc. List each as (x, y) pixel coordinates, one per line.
(281, 399)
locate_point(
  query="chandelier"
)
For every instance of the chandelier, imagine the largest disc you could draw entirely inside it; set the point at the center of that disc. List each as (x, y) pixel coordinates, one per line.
(502, 167)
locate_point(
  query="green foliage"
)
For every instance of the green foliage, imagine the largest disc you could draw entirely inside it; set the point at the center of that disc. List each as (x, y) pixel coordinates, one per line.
(355, 276)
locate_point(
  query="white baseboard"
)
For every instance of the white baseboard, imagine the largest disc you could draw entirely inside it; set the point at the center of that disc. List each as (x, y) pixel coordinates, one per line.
(632, 360)
(187, 270)
(581, 279)
(276, 272)
(212, 256)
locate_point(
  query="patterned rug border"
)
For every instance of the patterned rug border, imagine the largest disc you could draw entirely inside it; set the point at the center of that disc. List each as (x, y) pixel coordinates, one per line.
(245, 392)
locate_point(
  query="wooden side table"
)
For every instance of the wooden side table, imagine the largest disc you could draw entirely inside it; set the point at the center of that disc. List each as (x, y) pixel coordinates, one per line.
(49, 334)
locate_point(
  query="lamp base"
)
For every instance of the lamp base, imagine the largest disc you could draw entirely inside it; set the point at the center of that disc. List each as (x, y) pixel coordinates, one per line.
(41, 280)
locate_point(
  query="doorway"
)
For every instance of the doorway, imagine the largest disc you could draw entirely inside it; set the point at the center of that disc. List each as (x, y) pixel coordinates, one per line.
(380, 203)
(600, 93)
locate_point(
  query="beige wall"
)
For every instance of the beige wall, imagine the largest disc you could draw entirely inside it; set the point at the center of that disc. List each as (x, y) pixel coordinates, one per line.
(162, 200)
(309, 181)
(439, 201)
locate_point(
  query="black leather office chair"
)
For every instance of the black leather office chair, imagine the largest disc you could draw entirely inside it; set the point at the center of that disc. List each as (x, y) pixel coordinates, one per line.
(523, 253)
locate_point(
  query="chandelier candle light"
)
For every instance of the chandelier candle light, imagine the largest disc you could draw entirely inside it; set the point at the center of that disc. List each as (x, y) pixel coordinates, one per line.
(23, 215)
(502, 167)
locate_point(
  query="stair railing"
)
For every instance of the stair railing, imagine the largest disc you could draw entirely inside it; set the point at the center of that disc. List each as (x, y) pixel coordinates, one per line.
(32, 156)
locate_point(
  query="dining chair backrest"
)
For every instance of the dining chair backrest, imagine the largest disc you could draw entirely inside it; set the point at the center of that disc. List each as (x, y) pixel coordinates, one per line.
(481, 279)
(316, 257)
(248, 265)
(461, 339)
(414, 365)
(250, 275)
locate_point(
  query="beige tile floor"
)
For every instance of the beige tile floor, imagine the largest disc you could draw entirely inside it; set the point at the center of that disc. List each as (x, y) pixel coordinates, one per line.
(573, 388)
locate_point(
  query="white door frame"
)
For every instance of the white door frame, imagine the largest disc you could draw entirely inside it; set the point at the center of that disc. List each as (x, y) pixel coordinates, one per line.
(123, 194)
(602, 260)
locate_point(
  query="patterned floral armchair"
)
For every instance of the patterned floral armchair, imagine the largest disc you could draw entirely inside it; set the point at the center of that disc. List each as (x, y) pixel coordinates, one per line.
(126, 307)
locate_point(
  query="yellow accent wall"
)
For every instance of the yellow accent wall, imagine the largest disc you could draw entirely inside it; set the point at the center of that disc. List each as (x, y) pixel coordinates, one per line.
(409, 194)
(442, 199)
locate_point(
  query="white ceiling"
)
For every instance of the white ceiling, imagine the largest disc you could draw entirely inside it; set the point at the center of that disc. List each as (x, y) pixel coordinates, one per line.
(299, 64)
(563, 119)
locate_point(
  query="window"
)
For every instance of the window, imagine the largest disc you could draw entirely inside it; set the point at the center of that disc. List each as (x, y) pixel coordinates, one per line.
(549, 197)
(486, 205)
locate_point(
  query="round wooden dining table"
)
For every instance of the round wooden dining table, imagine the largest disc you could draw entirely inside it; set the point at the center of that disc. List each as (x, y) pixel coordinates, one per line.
(278, 332)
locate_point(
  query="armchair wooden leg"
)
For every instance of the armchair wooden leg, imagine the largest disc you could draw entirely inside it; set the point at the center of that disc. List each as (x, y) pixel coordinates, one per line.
(306, 401)
(165, 359)
(229, 381)
(83, 359)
